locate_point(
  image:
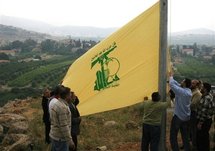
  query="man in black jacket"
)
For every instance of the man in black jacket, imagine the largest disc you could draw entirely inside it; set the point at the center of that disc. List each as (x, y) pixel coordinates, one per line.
(45, 106)
(76, 119)
(205, 112)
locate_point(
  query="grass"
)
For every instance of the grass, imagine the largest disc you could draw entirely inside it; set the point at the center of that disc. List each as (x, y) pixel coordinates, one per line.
(37, 128)
(93, 126)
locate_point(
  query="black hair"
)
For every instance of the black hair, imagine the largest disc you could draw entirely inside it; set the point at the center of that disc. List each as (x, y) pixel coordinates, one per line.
(187, 82)
(57, 90)
(65, 91)
(76, 101)
(52, 93)
(207, 86)
(156, 97)
(172, 94)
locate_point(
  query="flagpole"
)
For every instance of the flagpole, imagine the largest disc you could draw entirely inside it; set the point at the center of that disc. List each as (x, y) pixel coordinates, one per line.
(163, 67)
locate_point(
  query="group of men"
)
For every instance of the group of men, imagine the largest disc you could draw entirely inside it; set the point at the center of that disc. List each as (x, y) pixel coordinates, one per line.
(194, 108)
(61, 118)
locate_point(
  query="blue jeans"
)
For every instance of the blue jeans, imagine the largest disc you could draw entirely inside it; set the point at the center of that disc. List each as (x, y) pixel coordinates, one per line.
(59, 145)
(176, 125)
(150, 136)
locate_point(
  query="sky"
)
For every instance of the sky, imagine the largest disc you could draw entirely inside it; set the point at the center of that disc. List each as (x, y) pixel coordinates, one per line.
(183, 14)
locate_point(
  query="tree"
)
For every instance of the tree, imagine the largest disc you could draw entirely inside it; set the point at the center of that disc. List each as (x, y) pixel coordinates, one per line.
(28, 45)
(17, 44)
(80, 52)
(213, 59)
(48, 45)
(4, 56)
(78, 43)
(7, 46)
(195, 49)
(38, 57)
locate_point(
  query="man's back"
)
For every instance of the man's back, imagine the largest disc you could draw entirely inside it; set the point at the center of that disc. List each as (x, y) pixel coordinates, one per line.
(153, 112)
(196, 96)
(60, 116)
(182, 100)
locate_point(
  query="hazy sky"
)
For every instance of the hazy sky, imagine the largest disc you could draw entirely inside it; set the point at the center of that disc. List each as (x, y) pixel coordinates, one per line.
(183, 14)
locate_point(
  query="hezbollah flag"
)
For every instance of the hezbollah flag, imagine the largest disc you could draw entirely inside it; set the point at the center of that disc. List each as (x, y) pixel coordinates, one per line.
(120, 70)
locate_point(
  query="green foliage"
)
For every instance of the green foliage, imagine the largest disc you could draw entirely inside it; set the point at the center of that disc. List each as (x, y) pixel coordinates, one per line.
(194, 68)
(4, 56)
(28, 78)
(28, 45)
(213, 59)
(47, 70)
(14, 71)
(17, 44)
(21, 73)
(48, 45)
(18, 93)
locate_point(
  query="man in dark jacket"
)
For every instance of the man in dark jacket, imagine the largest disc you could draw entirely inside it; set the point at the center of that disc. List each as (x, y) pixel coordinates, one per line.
(46, 120)
(76, 119)
(205, 112)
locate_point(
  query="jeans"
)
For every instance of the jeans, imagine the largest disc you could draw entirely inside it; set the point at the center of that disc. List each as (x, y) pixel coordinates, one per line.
(203, 141)
(150, 136)
(59, 145)
(176, 125)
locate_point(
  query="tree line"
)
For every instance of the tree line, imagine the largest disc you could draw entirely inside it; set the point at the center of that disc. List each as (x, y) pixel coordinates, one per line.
(49, 45)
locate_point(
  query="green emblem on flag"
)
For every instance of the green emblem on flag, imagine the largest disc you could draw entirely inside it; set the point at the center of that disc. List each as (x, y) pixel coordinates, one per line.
(107, 76)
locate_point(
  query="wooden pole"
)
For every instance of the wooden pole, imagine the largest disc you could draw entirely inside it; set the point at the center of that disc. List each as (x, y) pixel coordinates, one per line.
(163, 67)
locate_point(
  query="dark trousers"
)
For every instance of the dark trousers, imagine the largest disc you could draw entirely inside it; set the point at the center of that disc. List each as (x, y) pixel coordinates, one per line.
(150, 136)
(59, 146)
(47, 130)
(203, 141)
(176, 125)
(193, 129)
(75, 140)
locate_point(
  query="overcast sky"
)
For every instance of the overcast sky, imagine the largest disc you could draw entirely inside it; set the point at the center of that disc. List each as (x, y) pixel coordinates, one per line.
(183, 14)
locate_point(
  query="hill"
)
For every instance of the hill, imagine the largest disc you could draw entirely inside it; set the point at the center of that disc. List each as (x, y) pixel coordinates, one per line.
(10, 33)
(189, 37)
(199, 36)
(73, 31)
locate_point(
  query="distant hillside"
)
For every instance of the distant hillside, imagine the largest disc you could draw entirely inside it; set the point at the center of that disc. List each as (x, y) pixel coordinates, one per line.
(199, 36)
(73, 31)
(10, 33)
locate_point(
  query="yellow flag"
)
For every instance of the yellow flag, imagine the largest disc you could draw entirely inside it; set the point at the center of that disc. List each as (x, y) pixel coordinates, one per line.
(120, 70)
